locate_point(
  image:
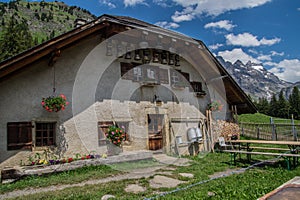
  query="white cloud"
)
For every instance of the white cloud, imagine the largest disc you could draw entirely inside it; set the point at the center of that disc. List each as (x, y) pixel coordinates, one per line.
(237, 54)
(270, 42)
(223, 24)
(264, 57)
(186, 15)
(107, 3)
(252, 51)
(215, 46)
(217, 7)
(274, 53)
(162, 3)
(287, 70)
(134, 2)
(249, 40)
(167, 25)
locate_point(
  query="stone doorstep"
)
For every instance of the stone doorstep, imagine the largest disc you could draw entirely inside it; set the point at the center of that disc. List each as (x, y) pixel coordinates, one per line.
(15, 173)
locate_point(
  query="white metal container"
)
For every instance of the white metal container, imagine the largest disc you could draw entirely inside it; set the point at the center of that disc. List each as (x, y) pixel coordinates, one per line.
(192, 136)
(198, 133)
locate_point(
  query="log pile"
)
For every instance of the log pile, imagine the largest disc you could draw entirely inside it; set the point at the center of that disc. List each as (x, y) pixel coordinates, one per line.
(230, 131)
(225, 129)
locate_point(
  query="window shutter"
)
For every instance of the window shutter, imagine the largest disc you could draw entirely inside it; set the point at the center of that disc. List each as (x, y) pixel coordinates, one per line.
(19, 135)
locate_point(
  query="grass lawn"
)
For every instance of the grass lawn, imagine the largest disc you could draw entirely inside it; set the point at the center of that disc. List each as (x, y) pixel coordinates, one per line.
(262, 118)
(252, 184)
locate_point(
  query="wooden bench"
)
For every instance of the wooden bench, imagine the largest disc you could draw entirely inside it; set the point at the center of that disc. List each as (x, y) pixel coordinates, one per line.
(270, 148)
(286, 156)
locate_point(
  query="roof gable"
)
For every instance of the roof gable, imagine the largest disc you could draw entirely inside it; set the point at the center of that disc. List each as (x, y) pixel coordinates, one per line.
(111, 25)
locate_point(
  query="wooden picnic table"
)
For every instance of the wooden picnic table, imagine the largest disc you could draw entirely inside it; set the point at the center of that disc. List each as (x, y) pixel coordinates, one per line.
(247, 145)
(292, 145)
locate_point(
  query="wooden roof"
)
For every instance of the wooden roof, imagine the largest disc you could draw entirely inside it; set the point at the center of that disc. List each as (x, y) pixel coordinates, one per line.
(111, 25)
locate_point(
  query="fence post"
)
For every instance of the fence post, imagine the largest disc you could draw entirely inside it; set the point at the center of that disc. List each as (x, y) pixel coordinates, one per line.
(293, 128)
(274, 137)
(258, 131)
(242, 128)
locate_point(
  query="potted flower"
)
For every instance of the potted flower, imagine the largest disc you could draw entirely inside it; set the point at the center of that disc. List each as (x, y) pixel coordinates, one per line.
(55, 104)
(215, 106)
(115, 136)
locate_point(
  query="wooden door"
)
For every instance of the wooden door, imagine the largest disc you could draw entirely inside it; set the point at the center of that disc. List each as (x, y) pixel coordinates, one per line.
(155, 131)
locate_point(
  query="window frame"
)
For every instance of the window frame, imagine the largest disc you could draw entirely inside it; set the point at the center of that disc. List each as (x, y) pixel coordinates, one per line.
(34, 129)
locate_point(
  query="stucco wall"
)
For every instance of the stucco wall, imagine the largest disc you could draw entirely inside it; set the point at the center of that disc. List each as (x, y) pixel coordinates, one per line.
(90, 79)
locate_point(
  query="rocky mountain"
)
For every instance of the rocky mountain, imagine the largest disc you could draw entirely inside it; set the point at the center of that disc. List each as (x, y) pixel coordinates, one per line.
(255, 80)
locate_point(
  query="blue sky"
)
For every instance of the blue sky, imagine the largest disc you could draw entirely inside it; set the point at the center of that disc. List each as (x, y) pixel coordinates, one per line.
(263, 31)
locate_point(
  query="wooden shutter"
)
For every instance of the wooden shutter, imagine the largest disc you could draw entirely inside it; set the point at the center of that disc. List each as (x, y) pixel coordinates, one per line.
(19, 135)
(102, 129)
(163, 76)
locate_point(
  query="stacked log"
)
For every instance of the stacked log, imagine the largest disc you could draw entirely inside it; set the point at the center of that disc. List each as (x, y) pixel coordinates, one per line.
(225, 129)
(230, 131)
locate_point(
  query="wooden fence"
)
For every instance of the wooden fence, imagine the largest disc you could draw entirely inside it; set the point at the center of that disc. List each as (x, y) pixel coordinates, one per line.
(271, 131)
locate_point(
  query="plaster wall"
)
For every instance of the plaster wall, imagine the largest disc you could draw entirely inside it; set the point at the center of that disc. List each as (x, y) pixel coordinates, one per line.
(92, 84)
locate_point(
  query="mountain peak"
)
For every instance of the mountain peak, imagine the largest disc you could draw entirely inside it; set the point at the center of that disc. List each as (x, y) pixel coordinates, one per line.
(254, 79)
(238, 62)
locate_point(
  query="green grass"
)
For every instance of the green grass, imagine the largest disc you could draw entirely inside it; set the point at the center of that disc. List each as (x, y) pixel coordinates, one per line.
(262, 118)
(67, 177)
(252, 184)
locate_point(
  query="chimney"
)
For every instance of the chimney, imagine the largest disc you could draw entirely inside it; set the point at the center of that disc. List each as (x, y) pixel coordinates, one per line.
(79, 22)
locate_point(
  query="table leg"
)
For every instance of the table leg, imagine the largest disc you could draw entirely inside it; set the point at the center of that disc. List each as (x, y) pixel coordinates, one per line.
(248, 155)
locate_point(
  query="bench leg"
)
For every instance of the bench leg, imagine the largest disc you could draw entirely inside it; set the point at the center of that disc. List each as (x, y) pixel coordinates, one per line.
(287, 163)
(248, 157)
(232, 158)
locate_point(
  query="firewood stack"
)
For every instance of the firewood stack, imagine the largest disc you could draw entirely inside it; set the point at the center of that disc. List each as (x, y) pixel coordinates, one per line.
(230, 130)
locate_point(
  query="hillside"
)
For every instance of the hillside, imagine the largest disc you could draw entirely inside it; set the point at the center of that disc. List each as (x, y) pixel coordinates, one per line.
(44, 19)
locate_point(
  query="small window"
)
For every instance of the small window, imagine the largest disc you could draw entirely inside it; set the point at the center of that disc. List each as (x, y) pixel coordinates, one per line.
(196, 86)
(103, 128)
(126, 71)
(45, 134)
(19, 135)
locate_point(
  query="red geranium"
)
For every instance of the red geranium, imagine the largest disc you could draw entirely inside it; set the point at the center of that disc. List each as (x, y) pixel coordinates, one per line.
(55, 103)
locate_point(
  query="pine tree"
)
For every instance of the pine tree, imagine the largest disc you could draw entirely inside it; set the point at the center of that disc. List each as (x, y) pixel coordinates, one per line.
(263, 105)
(273, 106)
(15, 39)
(294, 101)
(282, 106)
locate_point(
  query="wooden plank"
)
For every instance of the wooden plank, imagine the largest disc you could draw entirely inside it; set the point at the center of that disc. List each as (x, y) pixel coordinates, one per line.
(267, 142)
(262, 153)
(270, 148)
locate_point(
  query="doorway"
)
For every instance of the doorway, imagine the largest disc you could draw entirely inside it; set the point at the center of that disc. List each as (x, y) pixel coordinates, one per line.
(155, 131)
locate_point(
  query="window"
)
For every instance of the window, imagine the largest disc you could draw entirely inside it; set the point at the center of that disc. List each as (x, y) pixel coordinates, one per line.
(19, 135)
(103, 127)
(45, 134)
(126, 71)
(196, 86)
(155, 123)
